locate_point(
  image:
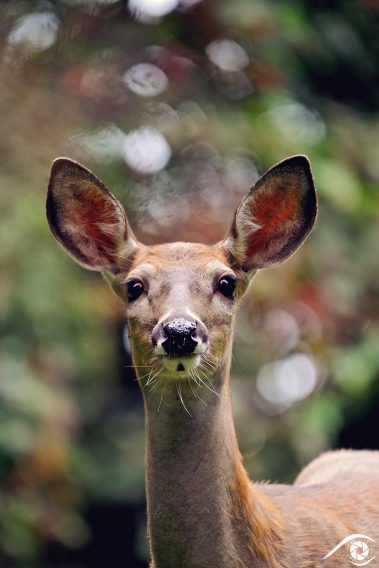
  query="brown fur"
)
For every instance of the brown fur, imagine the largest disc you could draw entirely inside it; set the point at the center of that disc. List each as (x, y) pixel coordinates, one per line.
(203, 512)
(258, 517)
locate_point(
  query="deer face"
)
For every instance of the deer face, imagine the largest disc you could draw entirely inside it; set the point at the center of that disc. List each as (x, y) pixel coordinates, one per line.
(181, 297)
(181, 300)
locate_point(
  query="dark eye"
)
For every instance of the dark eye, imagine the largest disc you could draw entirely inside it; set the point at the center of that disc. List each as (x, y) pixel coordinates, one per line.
(227, 286)
(135, 289)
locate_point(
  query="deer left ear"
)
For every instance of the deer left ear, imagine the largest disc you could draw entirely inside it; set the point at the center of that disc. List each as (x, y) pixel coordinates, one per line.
(87, 219)
(276, 216)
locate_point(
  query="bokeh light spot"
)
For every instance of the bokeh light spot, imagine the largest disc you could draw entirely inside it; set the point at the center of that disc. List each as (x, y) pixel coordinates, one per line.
(89, 3)
(241, 174)
(297, 123)
(146, 80)
(35, 32)
(144, 10)
(282, 330)
(104, 143)
(227, 55)
(283, 382)
(146, 150)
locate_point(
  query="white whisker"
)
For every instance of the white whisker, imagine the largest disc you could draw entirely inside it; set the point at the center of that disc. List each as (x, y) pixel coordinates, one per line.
(146, 374)
(208, 387)
(181, 399)
(151, 378)
(196, 394)
(156, 383)
(161, 399)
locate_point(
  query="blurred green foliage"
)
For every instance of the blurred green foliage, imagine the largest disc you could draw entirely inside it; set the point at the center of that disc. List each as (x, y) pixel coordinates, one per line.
(244, 84)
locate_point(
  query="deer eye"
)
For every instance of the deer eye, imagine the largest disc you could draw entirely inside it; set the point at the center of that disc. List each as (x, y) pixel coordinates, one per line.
(227, 286)
(135, 289)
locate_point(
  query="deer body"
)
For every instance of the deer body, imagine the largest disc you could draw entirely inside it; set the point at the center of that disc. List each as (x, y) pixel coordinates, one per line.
(197, 493)
(203, 512)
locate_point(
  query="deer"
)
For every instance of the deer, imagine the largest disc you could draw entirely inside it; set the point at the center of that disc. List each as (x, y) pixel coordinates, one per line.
(181, 300)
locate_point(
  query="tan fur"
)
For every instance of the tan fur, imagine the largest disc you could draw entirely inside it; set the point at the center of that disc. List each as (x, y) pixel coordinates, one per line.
(332, 465)
(258, 516)
(203, 511)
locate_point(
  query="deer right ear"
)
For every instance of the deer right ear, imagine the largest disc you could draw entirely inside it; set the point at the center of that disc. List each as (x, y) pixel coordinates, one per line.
(87, 219)
(275, 217)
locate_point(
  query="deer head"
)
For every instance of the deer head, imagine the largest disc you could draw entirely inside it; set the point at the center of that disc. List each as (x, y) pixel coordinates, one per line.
(181, 297)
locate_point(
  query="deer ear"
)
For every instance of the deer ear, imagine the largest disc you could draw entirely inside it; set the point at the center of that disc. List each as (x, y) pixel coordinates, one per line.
(87, 219)
(275, 217)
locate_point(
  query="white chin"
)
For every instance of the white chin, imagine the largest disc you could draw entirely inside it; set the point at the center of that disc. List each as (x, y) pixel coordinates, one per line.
(181, 365)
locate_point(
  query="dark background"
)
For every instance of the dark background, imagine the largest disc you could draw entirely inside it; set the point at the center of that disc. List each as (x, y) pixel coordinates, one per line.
(229, 89)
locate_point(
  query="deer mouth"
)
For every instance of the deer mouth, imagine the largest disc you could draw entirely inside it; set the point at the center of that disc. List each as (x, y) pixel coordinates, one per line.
(181, 365)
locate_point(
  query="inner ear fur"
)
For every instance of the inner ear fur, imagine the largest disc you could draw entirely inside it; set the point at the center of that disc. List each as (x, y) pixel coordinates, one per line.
(275, 217)
(86, 218)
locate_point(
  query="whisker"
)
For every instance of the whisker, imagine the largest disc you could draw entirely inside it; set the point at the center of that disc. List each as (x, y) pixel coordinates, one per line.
(209, 363)
(193, 375)
(146, 374)
(181, 399)
(196, 394)
(135, 366)
(156, 383)
(206, 372)
(208, 387)
(151, 379)
(191, 387)
(205, 367)
(149, 375)
(210, 359)
(161, 399)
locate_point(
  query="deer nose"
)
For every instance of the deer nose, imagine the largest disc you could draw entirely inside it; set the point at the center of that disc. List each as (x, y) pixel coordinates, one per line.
(180, 340)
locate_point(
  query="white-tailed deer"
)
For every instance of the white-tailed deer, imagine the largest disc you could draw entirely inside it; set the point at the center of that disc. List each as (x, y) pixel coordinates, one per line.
(181, 298)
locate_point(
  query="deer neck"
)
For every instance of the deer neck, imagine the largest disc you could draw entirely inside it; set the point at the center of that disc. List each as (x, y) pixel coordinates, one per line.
(202, 509)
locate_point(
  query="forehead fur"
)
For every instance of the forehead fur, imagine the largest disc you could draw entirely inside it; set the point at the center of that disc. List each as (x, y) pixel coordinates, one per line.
(185, 254)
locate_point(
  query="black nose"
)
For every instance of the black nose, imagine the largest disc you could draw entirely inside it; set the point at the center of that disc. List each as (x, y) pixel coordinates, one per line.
(180, 342)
